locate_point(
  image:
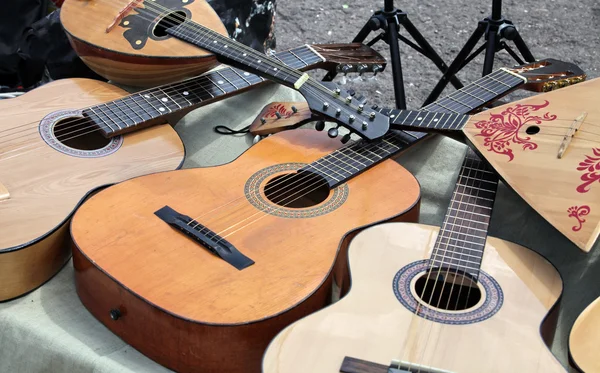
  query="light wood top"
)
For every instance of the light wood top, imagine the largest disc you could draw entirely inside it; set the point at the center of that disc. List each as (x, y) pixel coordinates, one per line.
(585, 339)
(565, 191)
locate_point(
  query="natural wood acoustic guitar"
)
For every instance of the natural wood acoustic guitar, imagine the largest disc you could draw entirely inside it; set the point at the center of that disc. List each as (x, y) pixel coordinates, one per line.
(200, 268)
(585, 339)
(431, 300)
(52, 154)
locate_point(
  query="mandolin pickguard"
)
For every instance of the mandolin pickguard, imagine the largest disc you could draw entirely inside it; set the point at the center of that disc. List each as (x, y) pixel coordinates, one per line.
(565, 191)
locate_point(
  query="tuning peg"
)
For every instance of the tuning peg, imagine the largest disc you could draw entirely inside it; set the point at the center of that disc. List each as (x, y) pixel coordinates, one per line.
(294, 109)
(333, 132)
(351, 92)
(345, 138)
(278, 115)
(362, 68)
(320, 125)
(377, 69)
(263, 120)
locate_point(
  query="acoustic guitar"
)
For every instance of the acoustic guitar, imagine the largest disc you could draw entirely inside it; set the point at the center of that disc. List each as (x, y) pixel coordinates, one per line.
(431, 300)
(585, 338)
(52, 154)
(200, 268)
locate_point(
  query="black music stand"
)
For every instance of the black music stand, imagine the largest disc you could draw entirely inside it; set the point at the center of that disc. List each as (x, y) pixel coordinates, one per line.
(389, 19)
(495, 28)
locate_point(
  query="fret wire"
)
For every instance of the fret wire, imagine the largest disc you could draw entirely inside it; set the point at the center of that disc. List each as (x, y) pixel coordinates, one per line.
(472, 204)
(121, 115)
(168, 98)
(101, 119)
(445, 234)
(469, 255)
(458, 260)
(227, 80)
(464, 248)
(132, 97)
(99, 107)
(124, 100)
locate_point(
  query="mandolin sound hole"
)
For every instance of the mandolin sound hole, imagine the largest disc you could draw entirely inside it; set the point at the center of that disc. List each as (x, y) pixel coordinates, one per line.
(168, 21)
(297, 190)
(79, 134)
(447, 290)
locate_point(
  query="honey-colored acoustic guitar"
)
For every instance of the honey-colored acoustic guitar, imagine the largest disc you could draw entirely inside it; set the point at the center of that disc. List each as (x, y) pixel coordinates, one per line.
(431, 300)
(199, 269)
(585, 339)
(52, 154)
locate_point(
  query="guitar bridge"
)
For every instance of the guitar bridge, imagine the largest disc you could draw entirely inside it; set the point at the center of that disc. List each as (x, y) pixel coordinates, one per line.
(206, 237)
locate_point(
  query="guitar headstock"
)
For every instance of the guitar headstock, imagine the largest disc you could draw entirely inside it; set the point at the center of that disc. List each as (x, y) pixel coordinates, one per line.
(549, 74)
(350, 58)
(328, 102)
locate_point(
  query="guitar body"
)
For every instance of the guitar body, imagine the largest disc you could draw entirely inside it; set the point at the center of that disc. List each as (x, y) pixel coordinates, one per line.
(188, 309)
(42, 185)
(584, 339)
(521, 140)
(134, 52)
(372, 324)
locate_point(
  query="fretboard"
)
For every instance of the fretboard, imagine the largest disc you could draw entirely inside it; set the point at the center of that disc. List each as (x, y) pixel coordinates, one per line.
(447, 114)
(349, 161)
(128, 113)
(461, 240)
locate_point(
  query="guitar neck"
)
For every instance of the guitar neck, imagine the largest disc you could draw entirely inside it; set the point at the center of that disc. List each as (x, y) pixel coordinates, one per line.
(149, 106)
(447, 114)
(461, 241)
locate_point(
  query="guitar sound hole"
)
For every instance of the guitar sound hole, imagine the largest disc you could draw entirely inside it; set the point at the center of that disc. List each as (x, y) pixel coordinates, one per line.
(447, 290)
(532, 130)
(170, 20)
(77, 133)
(297, 190)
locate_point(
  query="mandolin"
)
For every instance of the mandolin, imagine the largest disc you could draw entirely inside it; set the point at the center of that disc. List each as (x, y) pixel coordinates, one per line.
(431, 300)
(584, 339)
(218, 260)
(126, 41)
(52, 154)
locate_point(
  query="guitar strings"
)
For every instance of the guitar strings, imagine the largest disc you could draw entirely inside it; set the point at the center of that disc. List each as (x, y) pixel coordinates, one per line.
(283, 180)
(87, 120)
(307, 178)
(463, 206)
(171, 88)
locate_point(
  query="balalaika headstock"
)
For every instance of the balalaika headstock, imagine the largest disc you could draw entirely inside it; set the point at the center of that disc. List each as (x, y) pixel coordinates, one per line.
(549, 74)
(350, 58)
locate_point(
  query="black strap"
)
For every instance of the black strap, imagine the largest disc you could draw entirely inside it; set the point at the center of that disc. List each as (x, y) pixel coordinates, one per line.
(224, 130)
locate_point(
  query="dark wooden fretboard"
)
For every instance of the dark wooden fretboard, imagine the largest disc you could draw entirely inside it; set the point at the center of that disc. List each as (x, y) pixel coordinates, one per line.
(447, 114)
(461, 241)
(127, 113)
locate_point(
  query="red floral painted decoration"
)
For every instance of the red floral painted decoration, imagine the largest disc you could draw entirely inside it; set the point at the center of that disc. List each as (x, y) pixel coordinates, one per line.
(591, 166)
(502, 130)
(279, 108)
(577, 213)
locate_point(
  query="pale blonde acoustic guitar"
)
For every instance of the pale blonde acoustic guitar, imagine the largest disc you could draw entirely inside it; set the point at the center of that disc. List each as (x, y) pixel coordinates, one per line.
(52, 153)
(431, 300)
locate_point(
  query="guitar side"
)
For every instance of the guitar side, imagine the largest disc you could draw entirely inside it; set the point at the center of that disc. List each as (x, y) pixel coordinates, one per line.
(371, 324)
(584, 339)
(44, 185)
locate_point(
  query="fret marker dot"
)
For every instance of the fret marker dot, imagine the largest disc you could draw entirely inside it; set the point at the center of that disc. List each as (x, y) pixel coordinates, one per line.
(259, 61)
(185, 93)
(391, 116)
(220, 82)
(214, 41)
(138, 42)
(146, 96)
(161, 108)
(419, 118)
(247, 73)
(435, 120)
(125, 23)
(245, 54)
(275, 68)
(224, 46)
(164, 99)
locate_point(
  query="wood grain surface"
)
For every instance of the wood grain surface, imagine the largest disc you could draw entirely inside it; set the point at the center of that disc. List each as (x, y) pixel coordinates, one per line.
(371, 324)
(46, 185)
(565, 191)
(174, 293)
(585, 338)
(112, 56)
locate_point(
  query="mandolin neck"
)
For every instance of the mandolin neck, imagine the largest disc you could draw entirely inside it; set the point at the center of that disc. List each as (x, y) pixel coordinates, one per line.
(446, 114)
(461, 241)
(152, 105)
